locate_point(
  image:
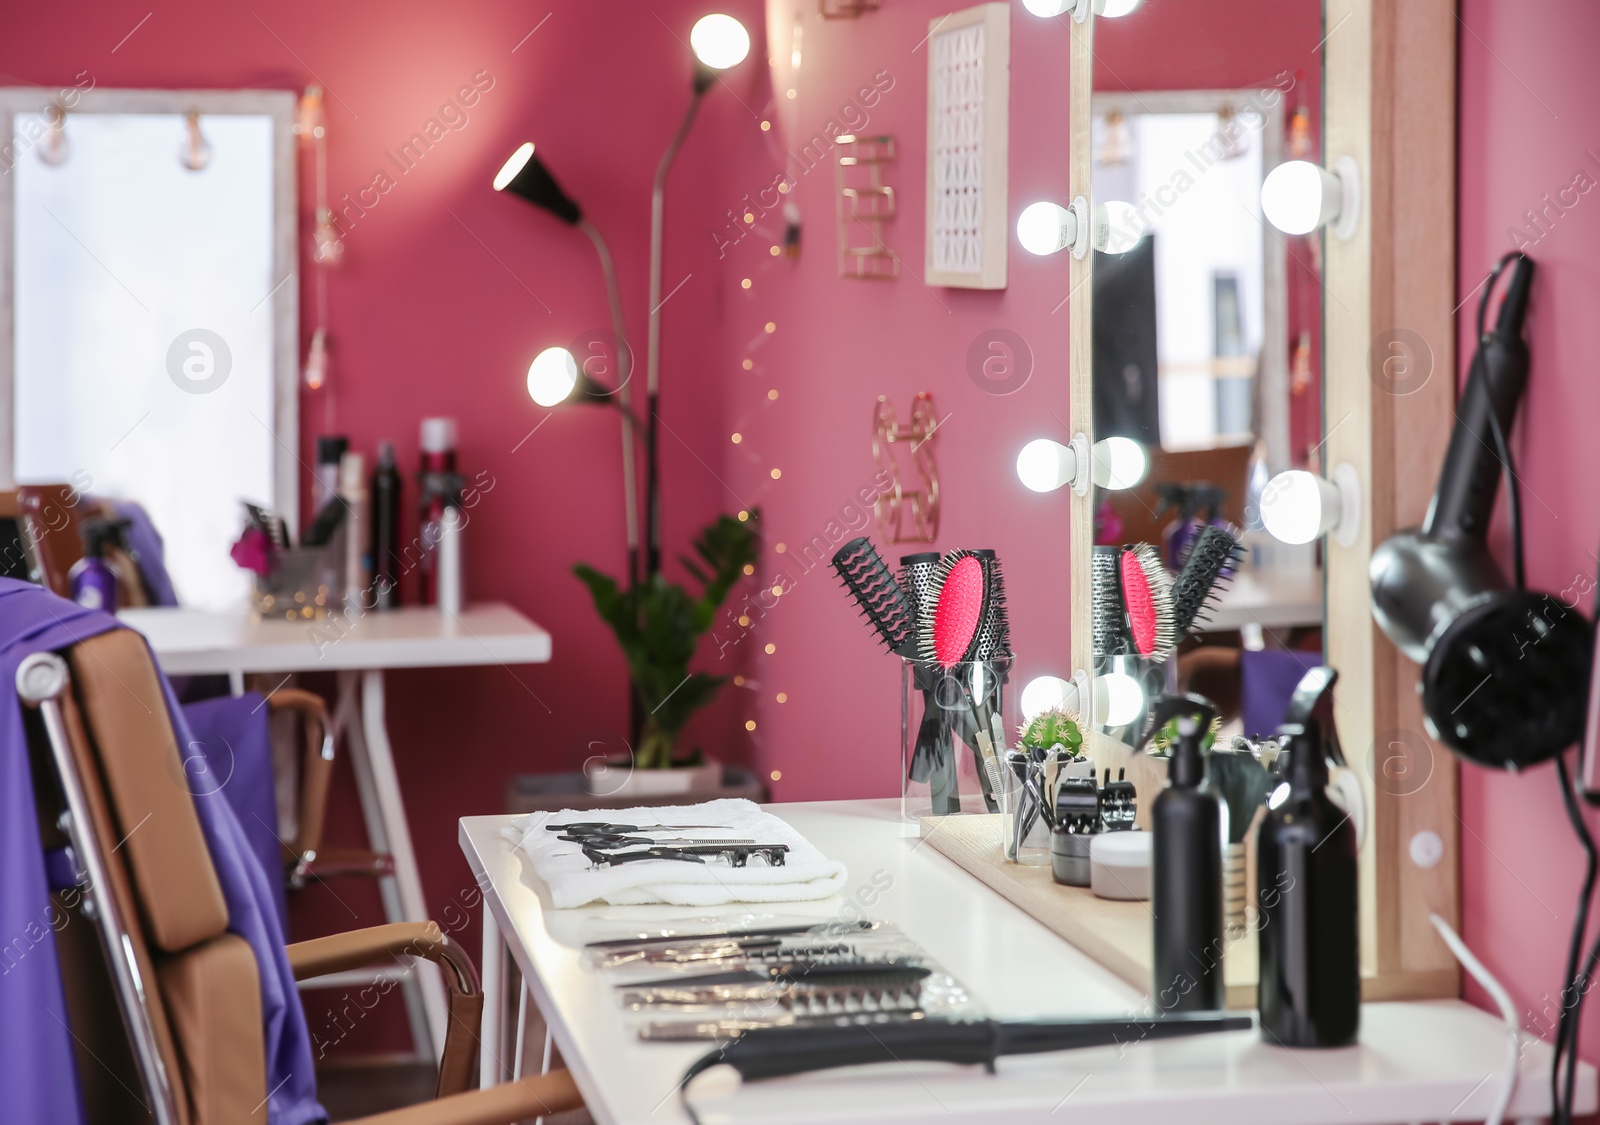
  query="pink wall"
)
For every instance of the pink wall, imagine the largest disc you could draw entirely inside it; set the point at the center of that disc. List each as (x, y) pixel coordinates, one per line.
(1528, 122)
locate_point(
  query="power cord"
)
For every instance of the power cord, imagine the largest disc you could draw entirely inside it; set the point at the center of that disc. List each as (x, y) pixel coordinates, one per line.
(1508, 1012)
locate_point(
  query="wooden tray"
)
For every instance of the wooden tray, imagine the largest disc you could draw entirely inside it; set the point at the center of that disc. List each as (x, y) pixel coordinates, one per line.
(1116, 934)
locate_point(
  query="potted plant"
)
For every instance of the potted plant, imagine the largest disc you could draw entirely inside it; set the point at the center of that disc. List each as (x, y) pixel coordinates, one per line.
(659, 624)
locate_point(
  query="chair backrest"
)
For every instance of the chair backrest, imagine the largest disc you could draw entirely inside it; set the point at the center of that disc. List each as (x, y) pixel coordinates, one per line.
(201, 1005)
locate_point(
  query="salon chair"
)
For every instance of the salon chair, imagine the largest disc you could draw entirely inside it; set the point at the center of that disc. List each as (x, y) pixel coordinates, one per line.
(191, 1036)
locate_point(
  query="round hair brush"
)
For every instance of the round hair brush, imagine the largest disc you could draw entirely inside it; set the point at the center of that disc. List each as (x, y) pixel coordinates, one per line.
(1109, 622)
(877, 595)
(1205, 574)
(918, 577)
(994, 635)
(1147, 592)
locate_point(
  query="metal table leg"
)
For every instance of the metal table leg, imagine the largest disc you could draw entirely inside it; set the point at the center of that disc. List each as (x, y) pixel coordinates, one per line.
(372, 758)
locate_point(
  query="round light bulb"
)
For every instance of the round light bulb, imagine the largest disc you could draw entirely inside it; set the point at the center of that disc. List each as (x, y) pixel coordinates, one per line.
(1124, 699)
(1114, 9)
(1047, 8)
(1120, 227)
(1119, 463)
(1045, 693)
(719, 41)
(551, 376)
(1044, 228)
(508, 170)
(1045, 465)
(1298, 196)
(1296, 506)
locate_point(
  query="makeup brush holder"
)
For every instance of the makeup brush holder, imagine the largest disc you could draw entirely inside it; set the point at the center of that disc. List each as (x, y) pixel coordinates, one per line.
(942, 712)
(304, 584)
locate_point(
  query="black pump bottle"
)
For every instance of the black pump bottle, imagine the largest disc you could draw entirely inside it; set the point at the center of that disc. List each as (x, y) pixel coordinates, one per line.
(1306, 889)
(1186, 881)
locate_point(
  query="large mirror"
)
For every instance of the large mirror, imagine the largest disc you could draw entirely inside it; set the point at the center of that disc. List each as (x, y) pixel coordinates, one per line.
(1206, 352)
(148, 310)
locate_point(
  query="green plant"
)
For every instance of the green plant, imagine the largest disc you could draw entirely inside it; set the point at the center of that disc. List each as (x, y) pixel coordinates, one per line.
(1054, 727)
(1162, 741)
(658, 624)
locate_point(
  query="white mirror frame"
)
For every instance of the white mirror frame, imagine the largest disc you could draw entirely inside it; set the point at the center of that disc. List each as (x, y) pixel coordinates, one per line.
(279, 105)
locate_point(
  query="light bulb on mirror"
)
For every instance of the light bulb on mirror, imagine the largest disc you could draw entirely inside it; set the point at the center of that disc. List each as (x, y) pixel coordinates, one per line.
(1044, 465)
(1045, 228)
(1118, 227)
(719, 41)
(551, 376)
(1044, 693)
(1298, 197)
(1299, 507)
(1124, 699)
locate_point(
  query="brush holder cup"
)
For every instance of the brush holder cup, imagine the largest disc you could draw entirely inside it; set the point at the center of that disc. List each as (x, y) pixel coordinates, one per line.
(1025, 825)
(304, 584)
(953, 732)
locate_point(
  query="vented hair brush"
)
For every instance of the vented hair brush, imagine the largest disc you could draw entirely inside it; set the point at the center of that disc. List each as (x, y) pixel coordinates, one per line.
(1205, 574)
(1110, 621)
(877, 595)
(1147, 593)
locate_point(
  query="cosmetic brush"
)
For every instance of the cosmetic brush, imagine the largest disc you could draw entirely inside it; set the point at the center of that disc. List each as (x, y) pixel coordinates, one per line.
(877, 595)
(1147, 592)
(1109, 621)
(1206, 573)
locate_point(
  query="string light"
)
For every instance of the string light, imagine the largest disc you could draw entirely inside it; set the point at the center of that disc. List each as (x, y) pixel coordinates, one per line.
(777, 473)
(771, 327)
(749, 568)
(783, 697)
(745, 284)
(743, 515)
(748, 364)
(776, 775)
(766, 126)
(772, 395)
(737, 438)
(749, 724)
(781, 548)
(771, 649)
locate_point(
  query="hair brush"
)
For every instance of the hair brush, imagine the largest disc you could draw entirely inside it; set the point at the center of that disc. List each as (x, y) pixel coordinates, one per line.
(994, 634)
(949, 625)
(1109, 622)
(1147, 593)
(877, 595)
(1205, 574)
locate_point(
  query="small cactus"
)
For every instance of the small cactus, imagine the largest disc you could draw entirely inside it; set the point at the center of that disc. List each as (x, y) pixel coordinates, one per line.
(1162, 741)
(1055, 727)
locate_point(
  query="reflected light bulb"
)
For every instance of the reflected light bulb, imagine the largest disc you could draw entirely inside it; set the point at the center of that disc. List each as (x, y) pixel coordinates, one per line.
(1119, 463)
(1294, 505)
(1045, 465)
(719, 41)
(508, 170)
(1124, 699)
(1044, 693)
(1044, 228)
(551, 376)
(1122, 227)
(1298, 196)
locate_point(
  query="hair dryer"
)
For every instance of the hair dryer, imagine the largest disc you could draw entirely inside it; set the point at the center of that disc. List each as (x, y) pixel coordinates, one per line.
(1505, 671)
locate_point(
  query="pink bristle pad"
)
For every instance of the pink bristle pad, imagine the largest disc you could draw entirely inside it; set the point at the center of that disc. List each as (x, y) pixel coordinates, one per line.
(957, 616)
(1141, 606)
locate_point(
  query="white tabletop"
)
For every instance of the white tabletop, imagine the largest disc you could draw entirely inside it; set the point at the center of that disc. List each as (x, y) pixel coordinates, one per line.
(191, 642)
(1273, 600)
(1433, 1061)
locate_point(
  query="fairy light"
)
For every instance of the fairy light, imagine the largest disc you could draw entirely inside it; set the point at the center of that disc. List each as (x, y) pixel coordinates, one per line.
(745, 284)
(748, 364)
(772, 395)
(783, 697)
(777, 474)
(771, 649)
(749, 724)
(772, 327)
(749, 568)
(743, 515)
(781, 548)
(737, 438)
(776, 775)
(776, 250)
(766, 126)
(777, 591)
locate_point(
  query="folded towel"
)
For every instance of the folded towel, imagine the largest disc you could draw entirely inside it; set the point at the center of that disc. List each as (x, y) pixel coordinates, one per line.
(573, 881)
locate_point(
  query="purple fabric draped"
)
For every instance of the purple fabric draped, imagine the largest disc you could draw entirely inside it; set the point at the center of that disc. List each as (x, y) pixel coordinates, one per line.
(232, 734)
(37, 1075)
(1267, 680)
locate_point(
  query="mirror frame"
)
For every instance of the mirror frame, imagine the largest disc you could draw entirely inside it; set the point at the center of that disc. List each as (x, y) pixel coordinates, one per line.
(280, 106)
(1389, 93)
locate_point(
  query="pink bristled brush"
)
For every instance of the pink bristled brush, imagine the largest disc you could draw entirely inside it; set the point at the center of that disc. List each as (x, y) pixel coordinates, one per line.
(1147, 593)
(947, 635)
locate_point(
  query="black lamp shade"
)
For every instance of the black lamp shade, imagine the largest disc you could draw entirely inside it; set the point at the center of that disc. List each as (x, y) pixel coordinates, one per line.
(525, 175)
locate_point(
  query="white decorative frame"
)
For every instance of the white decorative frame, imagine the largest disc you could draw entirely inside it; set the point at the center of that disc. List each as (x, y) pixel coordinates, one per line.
(969, 80)
(280, 106)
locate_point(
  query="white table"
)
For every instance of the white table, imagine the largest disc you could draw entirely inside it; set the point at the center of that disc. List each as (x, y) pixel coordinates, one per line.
(1429, 1061)
(359, 648)
(1268, 600)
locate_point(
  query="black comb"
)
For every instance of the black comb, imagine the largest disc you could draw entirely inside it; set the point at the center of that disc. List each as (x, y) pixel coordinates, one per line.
(1205, 574)
(1109, 623)
(878, 596)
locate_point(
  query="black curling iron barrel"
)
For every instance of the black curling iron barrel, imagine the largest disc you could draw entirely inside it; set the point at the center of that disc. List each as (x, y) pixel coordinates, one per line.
(1505, 671)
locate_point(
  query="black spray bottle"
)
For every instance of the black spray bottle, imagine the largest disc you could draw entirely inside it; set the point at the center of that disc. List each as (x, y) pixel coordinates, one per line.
(1306, 888)
(1186, 880)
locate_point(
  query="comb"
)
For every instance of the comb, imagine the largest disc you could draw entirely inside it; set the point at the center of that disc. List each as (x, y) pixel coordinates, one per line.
(1147, 592)
(877, 595)
(1109, 622)
(1205, 574)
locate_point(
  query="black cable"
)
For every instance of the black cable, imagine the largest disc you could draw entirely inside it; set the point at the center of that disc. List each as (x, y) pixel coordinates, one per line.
(1502, 447)
(1573, 993)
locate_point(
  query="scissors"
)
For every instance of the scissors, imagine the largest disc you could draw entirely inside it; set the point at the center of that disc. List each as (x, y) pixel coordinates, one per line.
(601, 828)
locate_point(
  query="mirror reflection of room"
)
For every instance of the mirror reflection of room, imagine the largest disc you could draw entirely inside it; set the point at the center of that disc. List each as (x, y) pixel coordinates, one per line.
(1207, 352)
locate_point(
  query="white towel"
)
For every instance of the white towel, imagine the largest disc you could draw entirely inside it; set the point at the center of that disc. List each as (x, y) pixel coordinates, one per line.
(573, 881)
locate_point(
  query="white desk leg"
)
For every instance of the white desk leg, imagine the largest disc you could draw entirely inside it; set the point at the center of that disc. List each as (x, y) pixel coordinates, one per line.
(522, 1030)
(385, 814)
(492, 1046)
